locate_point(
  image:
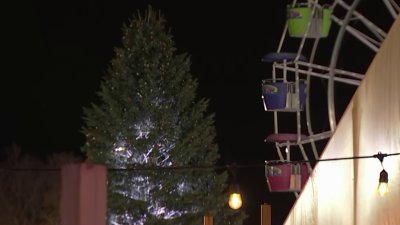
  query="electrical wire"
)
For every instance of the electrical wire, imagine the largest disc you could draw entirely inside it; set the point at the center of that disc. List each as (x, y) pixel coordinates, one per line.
(379, 156)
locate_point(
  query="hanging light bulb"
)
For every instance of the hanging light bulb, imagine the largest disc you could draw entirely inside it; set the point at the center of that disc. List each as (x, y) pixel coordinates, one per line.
(383, 187)
(235, 200)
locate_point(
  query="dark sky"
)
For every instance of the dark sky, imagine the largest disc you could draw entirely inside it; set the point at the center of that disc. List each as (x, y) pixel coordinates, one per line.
(57, 52)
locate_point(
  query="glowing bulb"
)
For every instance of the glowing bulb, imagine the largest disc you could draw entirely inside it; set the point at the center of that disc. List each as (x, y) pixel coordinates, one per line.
(383, 187)
(235, 201)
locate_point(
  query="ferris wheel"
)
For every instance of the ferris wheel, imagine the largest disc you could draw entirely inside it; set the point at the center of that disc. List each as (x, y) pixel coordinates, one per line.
(321, 48)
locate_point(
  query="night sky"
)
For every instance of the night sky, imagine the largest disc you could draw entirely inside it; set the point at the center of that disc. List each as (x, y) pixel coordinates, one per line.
(57, 52)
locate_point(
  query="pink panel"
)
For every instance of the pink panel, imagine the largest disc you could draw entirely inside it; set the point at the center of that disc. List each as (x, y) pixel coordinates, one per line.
(83, 194)
(281, 179)
(69, 194)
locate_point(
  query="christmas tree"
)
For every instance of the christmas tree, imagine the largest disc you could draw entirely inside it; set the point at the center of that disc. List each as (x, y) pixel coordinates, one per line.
(153, 130)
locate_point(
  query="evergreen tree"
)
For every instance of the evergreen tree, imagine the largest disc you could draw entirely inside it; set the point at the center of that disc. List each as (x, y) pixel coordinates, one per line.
(149, 119)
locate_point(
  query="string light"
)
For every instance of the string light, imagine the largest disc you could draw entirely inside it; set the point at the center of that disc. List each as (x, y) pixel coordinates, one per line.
(383, 186)
(215, 167)
(235, 198)
(235, 201)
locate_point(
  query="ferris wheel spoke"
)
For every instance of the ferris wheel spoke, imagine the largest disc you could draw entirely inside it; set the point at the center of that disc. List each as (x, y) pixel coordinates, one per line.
(326, 75)
(376, 30)
(313, 69)
(368, 41)
(392, 7)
